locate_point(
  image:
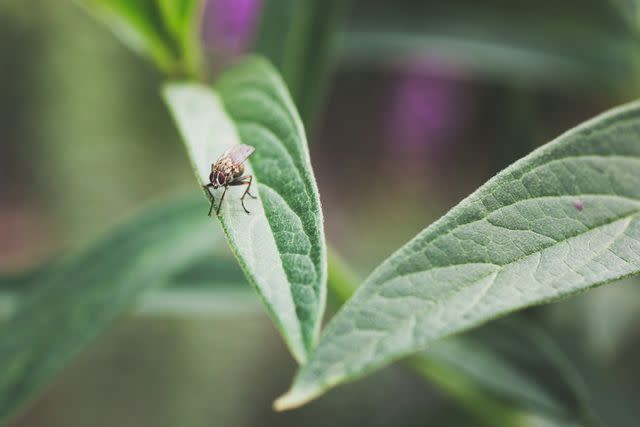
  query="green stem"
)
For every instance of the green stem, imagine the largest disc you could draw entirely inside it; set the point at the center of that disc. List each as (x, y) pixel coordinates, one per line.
(590, 419)
(342, 281)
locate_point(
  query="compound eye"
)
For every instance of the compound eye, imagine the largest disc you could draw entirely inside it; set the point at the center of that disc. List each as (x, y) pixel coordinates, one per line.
(221, 178)
(212, 177)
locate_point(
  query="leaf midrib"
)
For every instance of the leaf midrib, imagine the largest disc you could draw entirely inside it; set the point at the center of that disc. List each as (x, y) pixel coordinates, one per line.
(297, 217)
(524, 172)
(481, 192)
(252, 88)
(244, 122)
(515, 260)
(374, 363)
(299, 176)
(267, 99)
(502, 268)
(307, 184)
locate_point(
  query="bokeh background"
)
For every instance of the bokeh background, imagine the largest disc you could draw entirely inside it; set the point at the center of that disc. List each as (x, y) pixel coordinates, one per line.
(441, 94)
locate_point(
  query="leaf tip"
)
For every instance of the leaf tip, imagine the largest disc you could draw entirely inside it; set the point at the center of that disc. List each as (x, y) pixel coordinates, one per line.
(168, 89)
(294, 398)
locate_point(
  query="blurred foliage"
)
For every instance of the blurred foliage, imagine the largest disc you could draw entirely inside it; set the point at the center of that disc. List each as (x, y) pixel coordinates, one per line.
(85, 292)
(86, 140)
(250, 104)
(561, 220)
(168, 31)
(498, 371)
(299, 38)
(569, 44)
(99, 141)
(512, 361)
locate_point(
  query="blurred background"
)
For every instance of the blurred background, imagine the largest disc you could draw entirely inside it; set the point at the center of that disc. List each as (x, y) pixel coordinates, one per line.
(446, 93)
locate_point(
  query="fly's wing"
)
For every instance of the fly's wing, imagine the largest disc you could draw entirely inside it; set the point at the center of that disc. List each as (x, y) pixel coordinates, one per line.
(238, 153)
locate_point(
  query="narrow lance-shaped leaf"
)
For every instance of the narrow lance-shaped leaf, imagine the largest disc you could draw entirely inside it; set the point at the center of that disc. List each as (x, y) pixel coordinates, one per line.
(166, 31)
(501, 40)
(299, 38)
(561, 220)
(503, 367)
(280, 244)
(511, 361)
(182, 19)
(81, 295)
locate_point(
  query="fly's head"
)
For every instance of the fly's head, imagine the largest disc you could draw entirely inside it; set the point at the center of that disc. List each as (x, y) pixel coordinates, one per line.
(218, 179)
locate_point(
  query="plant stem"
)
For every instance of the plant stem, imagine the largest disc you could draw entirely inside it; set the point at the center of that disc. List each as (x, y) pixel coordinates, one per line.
(342, 281)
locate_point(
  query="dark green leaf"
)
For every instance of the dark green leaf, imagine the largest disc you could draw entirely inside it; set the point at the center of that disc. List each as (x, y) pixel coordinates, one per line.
(300, 39)
(165, 31)
(511, 361)
(83, 293)
(561, 220)
(498, 39)
(280, 244)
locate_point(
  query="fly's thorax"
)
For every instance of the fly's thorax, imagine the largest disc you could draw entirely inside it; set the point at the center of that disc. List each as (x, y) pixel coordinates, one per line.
(225, 171)
(238, 170)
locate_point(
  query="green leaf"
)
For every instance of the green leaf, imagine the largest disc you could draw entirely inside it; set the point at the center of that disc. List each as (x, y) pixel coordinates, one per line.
(561, 220)
(628, 10)
(511, 361)
(83, 293)
(181, 18)
(204, 285)
(176, 14)
(8, 304)
(165, 31)
(192, 299)
(300, 38)
(222, 299)
(280, 245)
(502, 368)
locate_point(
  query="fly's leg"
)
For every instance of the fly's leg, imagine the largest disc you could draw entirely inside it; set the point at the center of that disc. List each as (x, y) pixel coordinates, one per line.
(244, 180)
(221, 199)
(211, 197)
(246, 192)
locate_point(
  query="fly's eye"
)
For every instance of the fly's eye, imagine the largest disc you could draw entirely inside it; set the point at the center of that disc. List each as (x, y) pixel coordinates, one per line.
(212, 177)
(221, 178)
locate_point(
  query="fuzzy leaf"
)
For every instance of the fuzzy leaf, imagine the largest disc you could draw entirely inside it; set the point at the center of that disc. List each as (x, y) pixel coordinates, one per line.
(280, 244)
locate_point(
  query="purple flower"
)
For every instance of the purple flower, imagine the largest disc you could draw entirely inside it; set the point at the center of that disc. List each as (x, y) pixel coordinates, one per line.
(428, 107)
(229, 25)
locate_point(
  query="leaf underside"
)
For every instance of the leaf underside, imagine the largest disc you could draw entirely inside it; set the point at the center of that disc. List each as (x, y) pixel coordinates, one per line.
(561, 220)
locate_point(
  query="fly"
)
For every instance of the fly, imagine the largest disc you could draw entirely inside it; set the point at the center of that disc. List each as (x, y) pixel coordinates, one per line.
(228, 170)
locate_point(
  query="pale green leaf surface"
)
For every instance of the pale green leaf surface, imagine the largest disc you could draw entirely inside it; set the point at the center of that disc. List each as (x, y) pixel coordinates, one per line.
(504, 367)
(563, 219)
(82, 294)
(280, 244)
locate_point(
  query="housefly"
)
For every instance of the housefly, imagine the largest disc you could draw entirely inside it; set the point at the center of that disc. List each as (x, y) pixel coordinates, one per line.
(228, 171)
